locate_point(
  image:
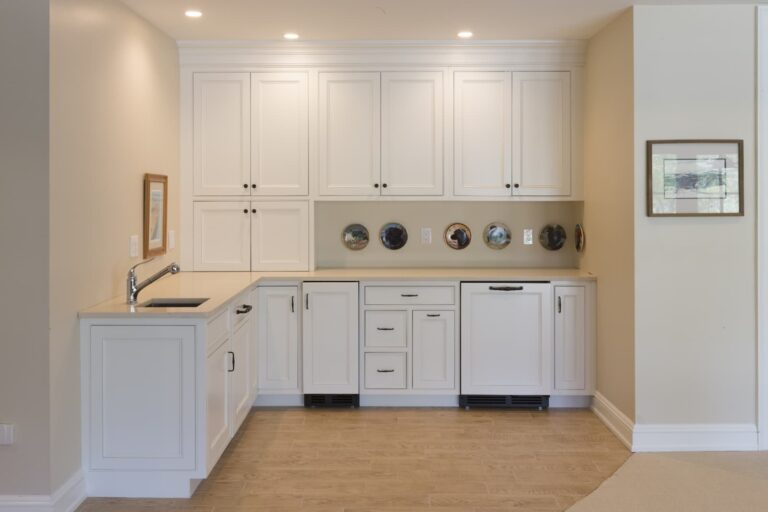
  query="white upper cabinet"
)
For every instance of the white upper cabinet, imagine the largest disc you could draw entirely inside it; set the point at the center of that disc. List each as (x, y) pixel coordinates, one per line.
(222, 236)
(330, 338)
(222, 133)
(349, 134)
(280, 235)
(542, 133)
(280, 134)
(412, 133)
(482, 133)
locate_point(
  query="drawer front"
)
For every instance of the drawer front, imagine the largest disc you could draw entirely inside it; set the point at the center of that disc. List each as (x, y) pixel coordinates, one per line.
(241, 310)
(385, 370)
(217, 331)
(393, 295)
(386, 329)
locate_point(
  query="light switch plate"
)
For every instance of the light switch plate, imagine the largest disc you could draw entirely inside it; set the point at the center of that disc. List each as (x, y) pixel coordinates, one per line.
(133, 251)
(6, 434)
(528, 236)
(426, 236)
(171, 239)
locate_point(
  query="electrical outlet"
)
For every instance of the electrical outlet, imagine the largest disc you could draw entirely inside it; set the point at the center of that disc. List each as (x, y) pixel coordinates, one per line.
(6, 434)
(426, 236)
(528, 236)
(133, 250)
(171, 239)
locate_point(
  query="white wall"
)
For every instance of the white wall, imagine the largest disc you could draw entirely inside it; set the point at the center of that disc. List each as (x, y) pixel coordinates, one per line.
(609, 206)
(24, 234)
(695, 277)
(114, 117)
(331, 218)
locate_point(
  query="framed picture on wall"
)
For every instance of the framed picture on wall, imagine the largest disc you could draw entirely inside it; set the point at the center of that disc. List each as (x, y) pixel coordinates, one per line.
(688, 178)
(155, 214)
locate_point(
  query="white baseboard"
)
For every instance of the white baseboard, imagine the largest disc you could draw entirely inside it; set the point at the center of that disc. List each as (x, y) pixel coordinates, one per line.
(66, 498)
(616, 421)
(570, 401)
(409, 400)
(694, 437)
(279, 401)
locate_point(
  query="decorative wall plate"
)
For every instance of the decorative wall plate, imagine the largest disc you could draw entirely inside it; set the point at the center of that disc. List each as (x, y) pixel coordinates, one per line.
(355, 237)
(458, 236)
(394, 236)
(581, 238)
(496, 235)
(552, 237)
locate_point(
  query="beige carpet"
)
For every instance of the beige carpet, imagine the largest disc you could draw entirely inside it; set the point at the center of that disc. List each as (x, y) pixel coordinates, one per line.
(684, 482)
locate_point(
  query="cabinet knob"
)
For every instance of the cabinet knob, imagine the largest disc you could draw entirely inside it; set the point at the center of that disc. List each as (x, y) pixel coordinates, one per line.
(253, 211)
(375, 185)
(384, 185)
(245, 185)
(517, 185)
(253, 186)
(245, 210)
(508, 185)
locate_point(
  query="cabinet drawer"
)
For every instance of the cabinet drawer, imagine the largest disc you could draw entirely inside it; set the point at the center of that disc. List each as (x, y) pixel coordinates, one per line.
(385, 329)
(385, 371)
(241, 310)
(217, 331)
(389, 295)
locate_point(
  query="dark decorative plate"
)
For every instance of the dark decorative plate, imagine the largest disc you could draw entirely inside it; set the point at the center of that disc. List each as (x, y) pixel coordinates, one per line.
(581, 238)
(458, 236)
(394, 236)
(552, 237)
(497, 235)
(355, 237)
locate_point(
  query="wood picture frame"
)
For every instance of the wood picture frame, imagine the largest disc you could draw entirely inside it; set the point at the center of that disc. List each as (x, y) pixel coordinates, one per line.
(155, 215)
(695, 178)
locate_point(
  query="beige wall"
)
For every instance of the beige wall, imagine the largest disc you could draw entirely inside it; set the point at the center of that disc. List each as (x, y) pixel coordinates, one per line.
(695, 277)
(114, 117)
(24, 234)
(608, 206)
(331, 218)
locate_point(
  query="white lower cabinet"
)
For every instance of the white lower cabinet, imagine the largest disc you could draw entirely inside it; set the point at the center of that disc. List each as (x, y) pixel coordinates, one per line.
(278, 342)
(571, 354)
(217, 413)
(506, 338)
(434, 344)
(330, 338)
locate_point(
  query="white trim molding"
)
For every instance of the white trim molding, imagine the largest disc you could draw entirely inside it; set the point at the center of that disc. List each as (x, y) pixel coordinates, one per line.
(695, 437)
(762, 226)
(616, 421)
(65, 499)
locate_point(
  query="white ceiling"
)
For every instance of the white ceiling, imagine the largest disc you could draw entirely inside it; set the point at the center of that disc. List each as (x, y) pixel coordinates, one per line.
(388, 19)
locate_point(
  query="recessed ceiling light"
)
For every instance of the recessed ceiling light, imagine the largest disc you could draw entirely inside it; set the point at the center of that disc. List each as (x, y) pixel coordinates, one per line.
(291, 36)
(465, 34)
(193, 14)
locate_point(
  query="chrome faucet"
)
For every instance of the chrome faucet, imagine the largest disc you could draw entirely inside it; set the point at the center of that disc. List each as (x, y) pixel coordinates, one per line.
(134, 287)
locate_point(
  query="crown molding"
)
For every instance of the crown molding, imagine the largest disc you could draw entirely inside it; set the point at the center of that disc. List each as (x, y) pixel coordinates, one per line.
(399, 53)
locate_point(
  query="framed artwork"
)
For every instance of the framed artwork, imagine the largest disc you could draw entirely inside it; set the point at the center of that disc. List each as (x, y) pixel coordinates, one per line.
(690, 178)
(155, 214)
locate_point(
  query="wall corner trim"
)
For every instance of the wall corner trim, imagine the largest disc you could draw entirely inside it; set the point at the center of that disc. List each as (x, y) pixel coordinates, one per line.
(616, 421)
(65, 499)
(695, 437)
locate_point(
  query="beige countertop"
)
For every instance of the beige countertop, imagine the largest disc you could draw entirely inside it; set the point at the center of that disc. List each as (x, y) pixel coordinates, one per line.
(221, 287)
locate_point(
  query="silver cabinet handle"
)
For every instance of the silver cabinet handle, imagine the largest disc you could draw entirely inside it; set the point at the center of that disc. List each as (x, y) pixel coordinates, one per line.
(385, 371)
(506, 288)
(433, 315)
(409, 294)
(385, 328)
(559, 304)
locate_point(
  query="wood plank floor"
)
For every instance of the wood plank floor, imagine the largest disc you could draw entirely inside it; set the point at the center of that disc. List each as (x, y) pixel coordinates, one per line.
(401, 460)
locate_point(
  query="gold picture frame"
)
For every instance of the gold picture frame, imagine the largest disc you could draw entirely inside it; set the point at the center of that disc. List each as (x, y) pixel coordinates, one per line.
(155, 215)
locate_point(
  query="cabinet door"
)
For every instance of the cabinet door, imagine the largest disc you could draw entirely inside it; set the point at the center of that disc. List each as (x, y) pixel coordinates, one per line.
(253, 366)
(146, 421)
(280, 235)
(412, 133)
(330, 338)
(482, 133)
(278, 340)
(570, 338)
(238, 399)
(542, 133)
(349, 134)
(280, 128)
(434, 346)
(222, 236)
(222, 134)
(217, 413)
(506, 338)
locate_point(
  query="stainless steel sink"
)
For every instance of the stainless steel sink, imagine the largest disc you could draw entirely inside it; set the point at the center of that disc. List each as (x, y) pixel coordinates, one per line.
(172, 303)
